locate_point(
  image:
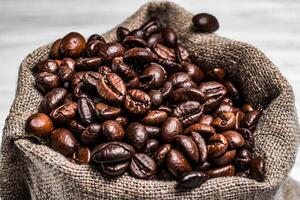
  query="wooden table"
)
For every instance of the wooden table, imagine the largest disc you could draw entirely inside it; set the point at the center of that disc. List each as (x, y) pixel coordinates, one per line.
(271, 25)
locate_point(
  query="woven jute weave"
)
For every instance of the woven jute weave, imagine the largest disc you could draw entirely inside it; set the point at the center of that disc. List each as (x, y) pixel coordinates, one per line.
(31, 170)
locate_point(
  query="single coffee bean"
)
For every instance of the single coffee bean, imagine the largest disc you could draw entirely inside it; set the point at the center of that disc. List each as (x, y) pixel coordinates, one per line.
(113, 130)
(235, 140)
(187, 94)
(194, 71)
(243, 160)
(206, 131)
(252, 117)
(55, 50)
(216, 73)
(137, 135)
(88, 64)
(205, 22)
(225, 121)
(110, 50)
(164, 52)
(40, 125)
(155, 38)
(153, 131)
(166, 89)
(159, 73)
(142, 166)
(227, 170)
(239, 118)
(72, 45)
(155, 117)
(65, 73)
(170, 37)
(161, 154)
(115, 169)
(156, 97)
(137, 32)
(63, 141)
(151, 26)
(47, 81)
(177, 163)
(217, 145)
(206, 119)
(47, 65)
(131, 41)
(188, 147)
(224, 108)
(151, 147)
(104, 111)
(257, 168)
(171, 127)
(188, 112)
(137, 101)
(92, 134)
(178, 78)
(122, 32)
(96, 37)
(192, 179)
(112, 152)
(201, 144)
(83, 155)
(138, 56)
(232, 91)
(92, 48)
(52, 100)
(226, 158)
(123, 70)
(64, 113)
(86, 110)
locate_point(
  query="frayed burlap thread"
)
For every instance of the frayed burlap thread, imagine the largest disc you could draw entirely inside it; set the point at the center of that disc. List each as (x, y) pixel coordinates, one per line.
(31, 170)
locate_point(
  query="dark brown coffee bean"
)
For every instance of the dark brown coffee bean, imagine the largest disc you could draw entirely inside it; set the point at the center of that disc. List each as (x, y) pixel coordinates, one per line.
(66, 69)
(142, 166)
(115, 169)
(239, 118)
(72, 45)
(112, 152)
(177, 163)
(156, 97)
(151, 147)
(257, 168)
(234, 139)
(226, 158)
(205, 22)
(48, 65)
(171, 127)
(88, 64)
(225, 121)
(105, 111)
(193, 71)
(83, 155)
(112, 130)
(201, 144)
(192, 179)
(223, 108)
(188, 112)
(47, 81)
(86, 109)
(110, 50)
(76, 128)
(122, 69)
(169, 65)
(151, 26)
(122, 120)
(166, 89)
(153, 131)
(40, 125)
(161, 154)
(64, 113)
(112, 88)
(178, 78)
(243, 160)
(138, 56)
(206, 131)
(217, 145)
(63, 141)
(187, 94)
(137, 32)
(159, 73)
(182, 54)
(165, 174)
(122, 32)
(155, 38)
(93, 47)
(206, 119)
(137, 102)
(247, 108)
(52, 100)
(169, 36)
(227, 170)
(96, 37)
(55, 49)
(249, 138)
(131, 41)
(164, 52)
(92, 135)
(232, 91)
(188, 147)
(155, 117)
(137, 135)
(252, 117)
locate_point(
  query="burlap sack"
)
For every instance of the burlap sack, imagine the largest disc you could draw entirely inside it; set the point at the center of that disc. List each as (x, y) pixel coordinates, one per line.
(32, 170)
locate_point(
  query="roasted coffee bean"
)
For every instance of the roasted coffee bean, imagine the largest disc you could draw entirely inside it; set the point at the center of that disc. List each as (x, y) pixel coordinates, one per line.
(103, 70)
(192, 179)
(115, 169)
(170, 37)
(72, 45)
(47, 81)
(131, 41)
(217, 145)
(40, 125)
(153, 131)
(142, 166)
(257, 168)
(252, 117)
(112, 152)
(166, 89)
(164, 52)
(88, 64)
(225, 121)
(92, 48)
(234, 139)
(171, 128)
(182, 54)
(151, 26)
(188, 112)
(227, 170)
(122, 69)
(92, 134)
(86, 109)
(155, 38)
(226, 158)
(63, 141)
(91, 78)
(169, 65)
(165, 174)
(161, 154)
(187, 94)
(247, 108)
(52, 100)
(83, 155)
(104, 111)
(155, 117)
(113, 130)
(177, 163)
(206, 131)
(111, 88)
(137, 135)
(205, 22)
(188, 147)
(223, 108)
(243, 160)
(178, 78)
(96, 37)
(138, 56)
(193, 71)
(76, 128)
(122, 32)
(65, 72)
(206, 119)
(201, 144)
(48, 65)
(159, 73)
(232, 91)
(110, 50)
(122, 120)
(55, 50)
(64, 113)
(156, 97)
(137, 101)
(249, 138)
(239, 118)
(151, 147)
(137, 32)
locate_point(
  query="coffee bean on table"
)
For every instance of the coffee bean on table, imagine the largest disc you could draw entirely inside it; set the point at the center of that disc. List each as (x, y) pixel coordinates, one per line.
(40, 125)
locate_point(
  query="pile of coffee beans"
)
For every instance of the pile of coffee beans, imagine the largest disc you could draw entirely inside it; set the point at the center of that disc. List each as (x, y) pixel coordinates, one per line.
(142, 105)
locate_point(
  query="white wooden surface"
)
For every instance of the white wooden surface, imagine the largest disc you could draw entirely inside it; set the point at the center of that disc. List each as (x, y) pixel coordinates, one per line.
(271, 25)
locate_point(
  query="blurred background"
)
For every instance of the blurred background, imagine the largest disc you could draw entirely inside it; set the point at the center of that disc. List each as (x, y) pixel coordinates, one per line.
(273, 26)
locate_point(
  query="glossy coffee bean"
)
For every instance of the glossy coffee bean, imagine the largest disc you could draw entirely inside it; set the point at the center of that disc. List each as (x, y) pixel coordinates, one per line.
(247, 108)
(257, 168)
(40, 125)
(76, 128)
(188, 112)
(192, 179)
(234, 139)
(65, 73)
(83, 155)
(239, 118)
(92, 134)
(88, 64)
(217, 73)
(151, 147)
(110, 50)
(104, 111)
(243, 160)
(86, 109)
(137, 101)
(123, 70)
(178, 78)
(252, 117)
(170, 129)
(188, 147)
(151, 26)
(72, 45)
(113, 130)
(115, 169)
(112, 152)
(177, 163)
(153, 131)
(232, 91)
(164, 52)
(96, 37)
(161, 154)
(187, 94)
(225, 121)
(137, 32)
(137, 135)
(142, 166)
(155, 38)
(206, 131)
(182, 54)
(155, 117)
(170, 37)
(55, 49)
(64, 113)
(206, 119)
(193, 71)
(226, 158)
(122, 32)
(138, 56)
(52, 100)
(156, 97)
(217, 145)
(47, 65)
(228, 170)
(159, 73)
(224, 108)
(205, 22)
(131, 41)
(201, 145)
(47, 81)
(63, 141)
